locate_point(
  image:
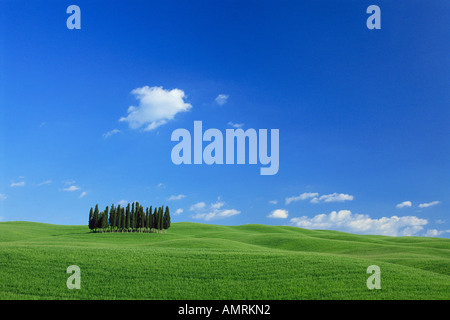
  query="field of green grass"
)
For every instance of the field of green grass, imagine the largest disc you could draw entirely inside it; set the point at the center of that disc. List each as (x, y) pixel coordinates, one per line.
(201, 261)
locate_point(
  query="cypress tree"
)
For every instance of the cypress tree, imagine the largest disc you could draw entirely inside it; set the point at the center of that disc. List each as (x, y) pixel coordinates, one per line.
(167, 218)
(141, 218)
(146, 220)
(132, 218)
(112, 217)
(118, 218)
(161, 219)
(91, 219)
(154, 219)
(127, 221)
(149, 219)
(96, 218)
(105, 219)
(124, 221)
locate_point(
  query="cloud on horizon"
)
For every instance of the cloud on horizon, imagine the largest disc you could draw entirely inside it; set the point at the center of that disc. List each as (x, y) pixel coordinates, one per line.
(345, 220)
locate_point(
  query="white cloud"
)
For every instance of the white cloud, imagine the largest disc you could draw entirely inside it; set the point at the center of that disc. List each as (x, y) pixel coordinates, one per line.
(83, 194)
(216, 214)
(278, 213)
(197, 206)
(179, 211)
(161, 185)
(429, 204)
(236, 125)
(221, 99)
(71, 189)
(123, 202)
(178, 197)
(213, 211)
(345, 220)
(17, 184)
(69, 182)
(273, 201)
(303, 196)
(217, 205)
(3, 197)
(334, 197)
(435, 232)
(44, 183)
(404, 204)
(108, 134)
(156, 107)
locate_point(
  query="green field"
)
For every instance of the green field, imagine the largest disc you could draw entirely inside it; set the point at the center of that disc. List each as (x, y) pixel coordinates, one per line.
(201, 261)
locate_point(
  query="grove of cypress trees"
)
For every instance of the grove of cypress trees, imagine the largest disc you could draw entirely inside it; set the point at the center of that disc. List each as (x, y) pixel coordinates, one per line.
(132, 218)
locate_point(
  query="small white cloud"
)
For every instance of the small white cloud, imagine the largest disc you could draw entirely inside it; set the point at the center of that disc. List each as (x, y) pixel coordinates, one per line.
(197, 206)
(179, 211)
(71, 189)
(213, 211)
(123, 202)
(83, 194)
(17, 184)
(69, 182)
(236, 125)
(156, 107)
(273, 201)
(404, 204)
(345, 220)
(435, 232)
(178, 197)
(217, 205)
(44, 183)
(221, 99)
(161, 185)
(3, 197)
(303, 196)
(278, 213)
(429, 204)
(108, 134)
(216, 214)
(334, 197)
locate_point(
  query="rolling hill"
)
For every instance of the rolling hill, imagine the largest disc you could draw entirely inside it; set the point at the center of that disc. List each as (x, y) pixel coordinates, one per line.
(203, 261)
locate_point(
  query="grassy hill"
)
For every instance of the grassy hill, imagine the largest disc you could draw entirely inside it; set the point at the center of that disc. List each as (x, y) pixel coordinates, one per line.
(201, 261)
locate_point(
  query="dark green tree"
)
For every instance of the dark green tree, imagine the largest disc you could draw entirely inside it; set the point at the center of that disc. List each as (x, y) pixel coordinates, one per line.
(112, 218)
(91, 220)
(154, 220)
(96, 218)
(119, 218)
(141, 218)
(132, 217)
(167, 218)
(105, 219)
(128, 220)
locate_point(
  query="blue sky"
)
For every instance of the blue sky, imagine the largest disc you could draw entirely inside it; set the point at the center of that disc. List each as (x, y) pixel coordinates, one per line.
(362, 114)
